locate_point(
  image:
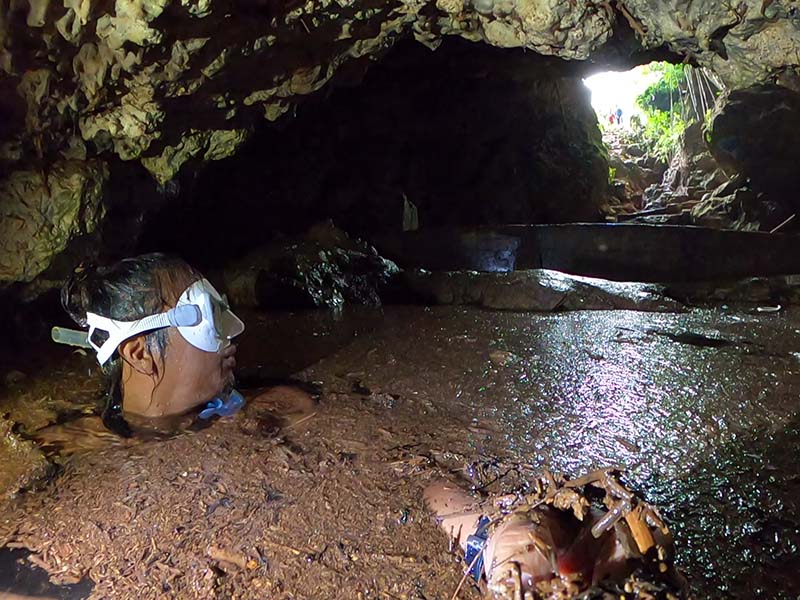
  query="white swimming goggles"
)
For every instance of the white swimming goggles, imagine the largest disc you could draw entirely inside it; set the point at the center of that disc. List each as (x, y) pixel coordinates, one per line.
(201, 316)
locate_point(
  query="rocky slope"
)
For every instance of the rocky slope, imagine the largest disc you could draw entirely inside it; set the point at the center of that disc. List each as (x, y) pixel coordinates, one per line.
(735, 171)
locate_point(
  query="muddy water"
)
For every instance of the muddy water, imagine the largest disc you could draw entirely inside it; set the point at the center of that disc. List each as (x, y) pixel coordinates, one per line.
(700, 409)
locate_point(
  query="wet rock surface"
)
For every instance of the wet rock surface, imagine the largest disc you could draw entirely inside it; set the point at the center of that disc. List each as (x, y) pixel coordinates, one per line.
(42, 211)
(536, 290)
(101, 67)
(23, 463)
(173, 86)
(322, 269)
(332, 507)
(743, 44)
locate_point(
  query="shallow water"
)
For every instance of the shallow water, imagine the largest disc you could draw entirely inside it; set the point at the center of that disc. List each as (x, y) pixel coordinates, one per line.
(700, 409)
(707, 433)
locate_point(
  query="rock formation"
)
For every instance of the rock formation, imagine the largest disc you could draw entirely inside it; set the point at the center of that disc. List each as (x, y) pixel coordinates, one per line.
(323, 269)
(173, 85)
(467, 135)
(735, 171)
(756, 132)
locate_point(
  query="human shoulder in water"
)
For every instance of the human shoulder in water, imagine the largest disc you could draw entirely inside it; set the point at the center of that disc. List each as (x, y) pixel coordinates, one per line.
(164, 338)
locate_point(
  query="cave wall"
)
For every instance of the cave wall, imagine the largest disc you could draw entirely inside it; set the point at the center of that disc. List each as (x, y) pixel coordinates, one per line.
(756, 132)
(469, 134)
(744, 42)
(171, 85)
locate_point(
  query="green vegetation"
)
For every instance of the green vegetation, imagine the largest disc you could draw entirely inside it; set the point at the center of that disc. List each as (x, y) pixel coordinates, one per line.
(662, 133)
(662, 102)
(665, 94)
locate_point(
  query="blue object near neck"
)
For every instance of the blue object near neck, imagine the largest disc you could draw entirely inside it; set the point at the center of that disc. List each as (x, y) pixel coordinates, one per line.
(223, 406)
(473, 555)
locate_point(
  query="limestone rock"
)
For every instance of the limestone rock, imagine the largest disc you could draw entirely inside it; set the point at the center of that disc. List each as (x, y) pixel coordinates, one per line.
(206, 145)
(42, 211)
(141, 73)
(92, 65)
(746, 42)
(739, 210)
(171, 84)
(756, 131)
(698, 191)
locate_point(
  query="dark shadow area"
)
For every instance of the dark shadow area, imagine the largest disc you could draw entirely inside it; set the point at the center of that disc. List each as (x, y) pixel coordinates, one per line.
(19, 576)
(25, 333)
(468, 134)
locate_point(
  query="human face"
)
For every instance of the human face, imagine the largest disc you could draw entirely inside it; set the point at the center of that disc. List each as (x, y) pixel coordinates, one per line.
(179, 380)
(192, 376)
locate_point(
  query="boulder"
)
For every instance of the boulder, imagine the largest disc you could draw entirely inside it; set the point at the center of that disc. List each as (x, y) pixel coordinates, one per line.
(714, 179)
(23, 463)
(634, 150)
(738, 210)
(322, 269)
(42, 211)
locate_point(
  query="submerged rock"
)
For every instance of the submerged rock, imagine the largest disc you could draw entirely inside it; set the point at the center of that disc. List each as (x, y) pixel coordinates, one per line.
(536, 290)
(323, 269)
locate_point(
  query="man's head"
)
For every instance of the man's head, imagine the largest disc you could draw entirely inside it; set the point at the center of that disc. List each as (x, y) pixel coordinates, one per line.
(160, 364)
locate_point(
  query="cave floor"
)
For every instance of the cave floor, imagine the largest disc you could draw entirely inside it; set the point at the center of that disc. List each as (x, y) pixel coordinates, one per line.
(699, 408)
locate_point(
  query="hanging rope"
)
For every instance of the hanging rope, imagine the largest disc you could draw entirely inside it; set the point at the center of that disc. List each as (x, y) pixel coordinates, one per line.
(702, 87)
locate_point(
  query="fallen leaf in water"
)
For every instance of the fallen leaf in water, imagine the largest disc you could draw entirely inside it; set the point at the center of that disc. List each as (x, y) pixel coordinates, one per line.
(627, 444)
(502, 358)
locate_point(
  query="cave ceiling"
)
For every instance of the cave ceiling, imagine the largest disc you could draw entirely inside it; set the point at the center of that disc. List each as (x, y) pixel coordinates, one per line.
(166, 82)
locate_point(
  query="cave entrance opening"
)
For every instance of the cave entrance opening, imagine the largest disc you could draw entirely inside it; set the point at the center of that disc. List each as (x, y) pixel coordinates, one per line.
(615, 93)
(653, 119)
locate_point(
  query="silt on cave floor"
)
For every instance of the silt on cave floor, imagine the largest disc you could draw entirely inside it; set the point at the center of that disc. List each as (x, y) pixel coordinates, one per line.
(330, 505)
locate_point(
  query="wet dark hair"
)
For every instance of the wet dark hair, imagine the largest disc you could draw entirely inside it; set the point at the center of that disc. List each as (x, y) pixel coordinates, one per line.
(130, 289)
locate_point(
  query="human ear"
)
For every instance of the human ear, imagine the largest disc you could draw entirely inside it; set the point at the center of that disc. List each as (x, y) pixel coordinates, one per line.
(135, 352)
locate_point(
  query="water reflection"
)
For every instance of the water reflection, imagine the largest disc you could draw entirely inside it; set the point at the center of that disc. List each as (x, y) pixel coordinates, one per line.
(594, 389)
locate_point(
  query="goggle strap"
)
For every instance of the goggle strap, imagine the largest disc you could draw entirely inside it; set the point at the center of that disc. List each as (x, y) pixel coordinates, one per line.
(186, 315)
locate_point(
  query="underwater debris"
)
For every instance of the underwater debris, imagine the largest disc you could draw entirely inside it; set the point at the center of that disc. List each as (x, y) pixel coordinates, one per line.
(559, 538)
